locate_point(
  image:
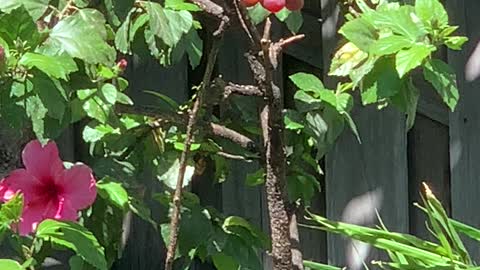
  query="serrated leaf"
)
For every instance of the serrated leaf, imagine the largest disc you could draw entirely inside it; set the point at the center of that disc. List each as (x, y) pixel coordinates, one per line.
(181, 5)
(455, 42)
(399, 20)
(113, 192)
(382, 82)
(36, 8)
(122, 39)
(139, 22)
(96, 133)
(360, 32)
(51, 93)
(83, 35)
(390, 45)
(194, 48)
(19, 25)
(57, 67)
(407, 101)
(307, 82)
(443, 79)
(346, 60)
(109, 92)
(168, 25)
(74, 237)
(11, 210)
(411, 58)
(97, 109)
(432, 13)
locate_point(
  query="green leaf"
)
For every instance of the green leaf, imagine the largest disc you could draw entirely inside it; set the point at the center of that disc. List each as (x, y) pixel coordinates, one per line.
(411, 58)
(113, 192)
(258, 14)
(319, 266)
(19, 25)
(122, 40)
(390, 45)
(382, 82)
(346, 60)
(307, 82)
(432, 13)
(181, 5)
(96, 133)
(139, 22)
(167, 24)
(400, 21)
(57, 67)
(360, 32)
(293, 120)
(256, 178)
(455, 42)
(124, 99)
(224, 262)
(443, 79)
(194, 48)
(170, 176)
(97, 109)
(83, 35)
(11, 210)
(407, 100)
(294, 21)
(51, 93)
(74, 237)
(6, 264)
(109, 92)
(76, 263)
(36, 8)
(36, 111)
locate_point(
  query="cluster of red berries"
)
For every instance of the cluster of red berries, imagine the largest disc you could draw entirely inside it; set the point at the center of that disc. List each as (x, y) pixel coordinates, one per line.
(275, 6)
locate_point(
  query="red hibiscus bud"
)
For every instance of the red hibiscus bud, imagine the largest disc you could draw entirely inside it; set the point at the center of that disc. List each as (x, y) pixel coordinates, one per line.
(122, 64)
(294, 5)
(249, 3)
(273, 6)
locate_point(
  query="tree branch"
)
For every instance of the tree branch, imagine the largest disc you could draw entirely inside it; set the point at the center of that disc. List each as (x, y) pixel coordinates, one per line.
(192, 121)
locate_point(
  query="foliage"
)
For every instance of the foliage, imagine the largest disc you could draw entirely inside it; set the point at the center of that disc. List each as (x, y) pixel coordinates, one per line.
(64, 63)
(409, 252)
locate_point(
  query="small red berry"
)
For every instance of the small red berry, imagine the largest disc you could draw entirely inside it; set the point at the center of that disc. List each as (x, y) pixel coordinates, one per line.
(294, 5)
(249, 3)
(273, 6)
(122, 64)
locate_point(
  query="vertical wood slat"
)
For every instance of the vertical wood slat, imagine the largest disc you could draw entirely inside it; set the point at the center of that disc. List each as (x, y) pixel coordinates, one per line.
(380, 162)
(144, 249)
(237, 198)
(465, 123)
(428, 161)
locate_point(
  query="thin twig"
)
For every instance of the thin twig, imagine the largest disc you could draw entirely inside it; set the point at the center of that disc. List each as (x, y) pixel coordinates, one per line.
(233, 156)
(248, 26)
(193, 116)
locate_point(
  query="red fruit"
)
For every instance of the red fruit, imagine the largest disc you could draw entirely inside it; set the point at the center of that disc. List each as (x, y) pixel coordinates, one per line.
(273, 6)
(294, 4)
(122, 64)
(249, 3)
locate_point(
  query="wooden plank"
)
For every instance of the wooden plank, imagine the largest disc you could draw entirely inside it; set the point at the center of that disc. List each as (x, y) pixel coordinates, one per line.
(237, 198)
(428, 161)
(379, 163)
(144, 73)
(308, 50)
(465, 122)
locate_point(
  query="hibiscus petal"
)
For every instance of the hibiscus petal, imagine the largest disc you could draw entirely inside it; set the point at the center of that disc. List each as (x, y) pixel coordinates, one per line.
(78, 186)
(42, 162)
(20, 180)
(32, 215)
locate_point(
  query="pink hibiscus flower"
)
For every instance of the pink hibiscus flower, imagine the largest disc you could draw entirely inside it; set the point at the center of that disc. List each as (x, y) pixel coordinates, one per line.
(49, 190)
